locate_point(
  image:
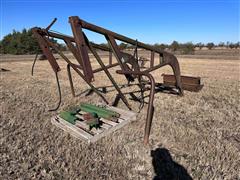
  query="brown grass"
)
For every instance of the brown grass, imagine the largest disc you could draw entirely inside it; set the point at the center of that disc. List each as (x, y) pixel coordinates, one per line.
(201, 131)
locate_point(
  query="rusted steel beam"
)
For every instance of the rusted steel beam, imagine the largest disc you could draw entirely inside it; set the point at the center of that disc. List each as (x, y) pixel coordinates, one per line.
(73, 49)
(117, 36)
(81, 48)
(69, 38)
(117, 52)
(110, 58)
(46, 50)
(70, 80)
(160, 58)
(103, 48)
(152, 59)
(107, 67)
(119, 56)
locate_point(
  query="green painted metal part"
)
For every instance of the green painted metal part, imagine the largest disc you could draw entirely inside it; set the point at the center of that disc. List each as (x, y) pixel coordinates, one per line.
(99, 110)
(68, 116)
(99, 113)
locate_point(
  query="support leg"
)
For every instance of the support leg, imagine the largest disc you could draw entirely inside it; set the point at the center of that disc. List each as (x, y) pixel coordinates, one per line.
(150, 110)
(176, 70)
(70, 80)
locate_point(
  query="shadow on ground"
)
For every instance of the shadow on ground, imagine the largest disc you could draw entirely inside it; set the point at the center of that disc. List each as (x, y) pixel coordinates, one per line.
(165, 168)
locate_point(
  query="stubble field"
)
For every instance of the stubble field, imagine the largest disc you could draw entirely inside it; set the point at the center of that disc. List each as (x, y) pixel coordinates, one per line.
(196, 136)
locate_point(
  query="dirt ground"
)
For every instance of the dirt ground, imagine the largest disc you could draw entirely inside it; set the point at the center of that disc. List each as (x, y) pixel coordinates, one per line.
(196, 136)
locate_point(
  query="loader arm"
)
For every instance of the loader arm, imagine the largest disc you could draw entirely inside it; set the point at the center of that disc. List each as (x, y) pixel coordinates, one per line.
(80, 46)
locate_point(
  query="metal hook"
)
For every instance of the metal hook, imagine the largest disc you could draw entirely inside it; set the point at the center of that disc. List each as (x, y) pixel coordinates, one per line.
(33, 65)
(59, 92)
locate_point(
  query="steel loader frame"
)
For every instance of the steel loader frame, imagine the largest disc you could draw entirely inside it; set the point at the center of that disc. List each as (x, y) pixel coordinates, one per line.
(80, 47)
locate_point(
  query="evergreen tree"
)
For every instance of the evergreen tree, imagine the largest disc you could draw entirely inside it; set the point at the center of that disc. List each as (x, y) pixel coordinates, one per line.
(19, 43)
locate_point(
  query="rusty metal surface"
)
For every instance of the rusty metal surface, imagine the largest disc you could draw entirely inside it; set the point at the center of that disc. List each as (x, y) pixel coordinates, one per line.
(152, 59)
(188, 83)
(46, 50)
(80, 47)
(108, 74)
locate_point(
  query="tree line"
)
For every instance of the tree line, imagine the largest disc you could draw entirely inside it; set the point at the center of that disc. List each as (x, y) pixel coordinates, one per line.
(24, 43)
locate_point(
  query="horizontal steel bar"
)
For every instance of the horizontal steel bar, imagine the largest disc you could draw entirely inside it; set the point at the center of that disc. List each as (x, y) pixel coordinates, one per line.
(69, 38)
(117, 36)
(107, 67)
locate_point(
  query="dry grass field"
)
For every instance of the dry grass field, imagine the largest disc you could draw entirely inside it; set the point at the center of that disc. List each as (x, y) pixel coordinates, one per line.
(196, 136)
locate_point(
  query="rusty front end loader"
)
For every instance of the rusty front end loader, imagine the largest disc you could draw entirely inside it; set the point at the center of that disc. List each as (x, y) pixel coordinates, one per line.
(129, 65)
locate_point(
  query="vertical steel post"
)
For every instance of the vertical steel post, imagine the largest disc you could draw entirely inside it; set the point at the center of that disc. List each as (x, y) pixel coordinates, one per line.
(152, 59)
(81, 47)
(110, 58)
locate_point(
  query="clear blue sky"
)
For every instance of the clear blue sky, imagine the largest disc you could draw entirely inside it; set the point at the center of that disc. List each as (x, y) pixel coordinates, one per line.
(148, 21)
